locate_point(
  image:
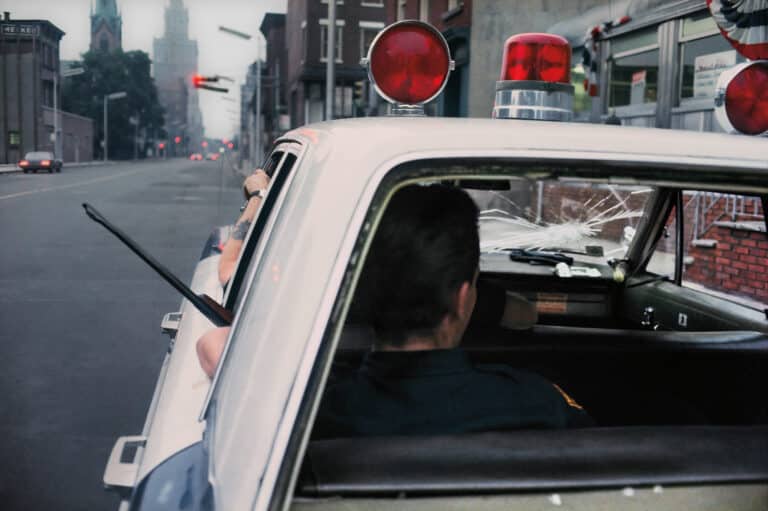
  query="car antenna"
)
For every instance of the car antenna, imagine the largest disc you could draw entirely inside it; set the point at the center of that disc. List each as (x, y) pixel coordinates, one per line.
(204, 303)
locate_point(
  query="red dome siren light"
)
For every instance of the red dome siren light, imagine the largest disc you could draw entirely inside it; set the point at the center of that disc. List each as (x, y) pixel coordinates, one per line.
(408, 64)
(535, 79)
(741, 98)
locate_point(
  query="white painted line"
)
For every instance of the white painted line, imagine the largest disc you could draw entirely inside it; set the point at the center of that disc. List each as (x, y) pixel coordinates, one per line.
(73, 185)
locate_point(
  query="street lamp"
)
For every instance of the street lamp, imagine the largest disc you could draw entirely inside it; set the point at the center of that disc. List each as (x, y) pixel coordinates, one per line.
(107, 98)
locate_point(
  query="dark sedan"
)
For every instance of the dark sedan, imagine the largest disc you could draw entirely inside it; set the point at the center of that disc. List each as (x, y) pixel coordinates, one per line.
(40, 160)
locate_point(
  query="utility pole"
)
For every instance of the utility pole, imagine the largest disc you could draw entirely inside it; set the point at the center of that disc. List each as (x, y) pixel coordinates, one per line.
(330, 65)
(258, 111)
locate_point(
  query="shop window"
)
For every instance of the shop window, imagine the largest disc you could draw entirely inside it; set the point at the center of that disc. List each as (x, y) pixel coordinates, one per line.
(704, 54)
(634, 69)
(634, 79)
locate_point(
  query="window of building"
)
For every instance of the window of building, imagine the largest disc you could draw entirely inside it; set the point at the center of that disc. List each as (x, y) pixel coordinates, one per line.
(372, 3)
(634, 69)
(343, 104)
(424, 10)
(704, 54)
(304, 41)
(338, 2)
(368, 31)
(401, 9)
(324, 38)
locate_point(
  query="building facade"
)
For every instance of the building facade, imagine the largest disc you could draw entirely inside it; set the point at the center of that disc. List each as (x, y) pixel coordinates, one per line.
(274, 108)
(29, 91)
(659, 67)
(175, 62)
(306, 29)
(106, 27)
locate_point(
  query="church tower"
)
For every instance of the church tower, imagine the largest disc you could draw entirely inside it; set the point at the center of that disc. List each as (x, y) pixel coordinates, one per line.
(106, 27)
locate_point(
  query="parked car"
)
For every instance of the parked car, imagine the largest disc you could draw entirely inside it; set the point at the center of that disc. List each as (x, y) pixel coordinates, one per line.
(643, 252)
(40, 160)
(212, 156)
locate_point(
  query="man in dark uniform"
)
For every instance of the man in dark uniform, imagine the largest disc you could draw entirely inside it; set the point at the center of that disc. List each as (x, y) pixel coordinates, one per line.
(419, 291)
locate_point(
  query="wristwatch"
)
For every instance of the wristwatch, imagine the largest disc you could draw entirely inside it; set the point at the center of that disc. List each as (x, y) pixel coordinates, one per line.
(260, 193)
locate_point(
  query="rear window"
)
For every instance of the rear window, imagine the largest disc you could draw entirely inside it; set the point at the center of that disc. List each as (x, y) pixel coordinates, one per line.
(39, 155)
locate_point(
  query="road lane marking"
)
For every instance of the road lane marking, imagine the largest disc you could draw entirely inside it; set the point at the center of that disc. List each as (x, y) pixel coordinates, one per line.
(72, 185)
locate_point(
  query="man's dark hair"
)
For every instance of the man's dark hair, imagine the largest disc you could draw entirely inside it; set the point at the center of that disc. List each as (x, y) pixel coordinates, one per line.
(426, 246)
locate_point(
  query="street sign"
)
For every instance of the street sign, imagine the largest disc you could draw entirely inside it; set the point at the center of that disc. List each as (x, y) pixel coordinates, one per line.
(72, 72)
(117, 95)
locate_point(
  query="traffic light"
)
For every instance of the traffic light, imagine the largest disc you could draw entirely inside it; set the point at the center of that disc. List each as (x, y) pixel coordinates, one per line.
(358, 95)
(177, 140)
(201, 82)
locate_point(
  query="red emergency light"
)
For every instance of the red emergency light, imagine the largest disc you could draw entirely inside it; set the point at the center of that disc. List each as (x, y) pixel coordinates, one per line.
(535, 77)
(741, 99)
(540, 57)
(409, 63)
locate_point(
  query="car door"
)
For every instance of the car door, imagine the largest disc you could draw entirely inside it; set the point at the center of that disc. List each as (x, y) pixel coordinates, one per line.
(709, 266)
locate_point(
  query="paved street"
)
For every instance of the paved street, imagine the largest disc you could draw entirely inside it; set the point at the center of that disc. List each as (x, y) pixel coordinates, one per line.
(80, 340)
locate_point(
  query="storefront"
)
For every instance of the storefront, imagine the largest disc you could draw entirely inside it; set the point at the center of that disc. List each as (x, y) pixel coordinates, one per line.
(657, 64)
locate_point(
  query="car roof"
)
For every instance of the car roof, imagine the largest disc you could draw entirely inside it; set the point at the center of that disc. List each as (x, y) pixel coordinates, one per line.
(395, 136)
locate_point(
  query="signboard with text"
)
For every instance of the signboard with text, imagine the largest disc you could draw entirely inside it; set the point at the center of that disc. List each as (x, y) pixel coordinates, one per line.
(707, 69)
(19, 30)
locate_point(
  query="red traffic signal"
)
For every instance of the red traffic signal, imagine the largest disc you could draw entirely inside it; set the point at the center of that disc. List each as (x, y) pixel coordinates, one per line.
(177, 140)
(231, 145)
(161, 145)
(200, 82)
(204, 143)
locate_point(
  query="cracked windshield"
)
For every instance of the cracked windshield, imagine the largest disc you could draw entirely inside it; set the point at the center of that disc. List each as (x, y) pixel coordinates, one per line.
(548, 221)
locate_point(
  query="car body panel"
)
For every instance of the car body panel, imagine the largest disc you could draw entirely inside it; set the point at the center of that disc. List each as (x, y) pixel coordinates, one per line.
(299, 274)
(174, 426)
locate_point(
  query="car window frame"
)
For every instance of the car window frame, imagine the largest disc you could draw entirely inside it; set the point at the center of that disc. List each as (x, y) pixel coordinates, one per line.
(262, 226)
(380, 191)
(677, 203)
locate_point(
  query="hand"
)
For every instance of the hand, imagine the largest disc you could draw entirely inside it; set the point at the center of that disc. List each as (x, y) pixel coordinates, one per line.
(259, 180)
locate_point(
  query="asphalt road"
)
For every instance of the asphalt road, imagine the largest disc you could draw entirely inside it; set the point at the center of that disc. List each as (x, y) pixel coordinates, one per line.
(80, 341)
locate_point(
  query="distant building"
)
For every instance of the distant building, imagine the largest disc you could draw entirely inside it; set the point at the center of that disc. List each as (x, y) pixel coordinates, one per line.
(175, 62)
(29, 63)
(306, 29)
(274, 108)
(106, 27)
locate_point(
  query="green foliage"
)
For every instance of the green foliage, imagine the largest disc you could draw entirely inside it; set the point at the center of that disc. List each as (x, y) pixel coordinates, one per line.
(106, 73)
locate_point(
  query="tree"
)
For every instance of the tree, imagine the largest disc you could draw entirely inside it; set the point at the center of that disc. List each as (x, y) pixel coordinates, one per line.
(114, 72)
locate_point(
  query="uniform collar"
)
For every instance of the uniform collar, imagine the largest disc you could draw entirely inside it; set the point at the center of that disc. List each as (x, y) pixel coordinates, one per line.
(416, 363)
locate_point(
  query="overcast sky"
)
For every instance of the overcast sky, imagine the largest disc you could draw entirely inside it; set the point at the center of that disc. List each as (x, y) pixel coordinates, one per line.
(143, 20)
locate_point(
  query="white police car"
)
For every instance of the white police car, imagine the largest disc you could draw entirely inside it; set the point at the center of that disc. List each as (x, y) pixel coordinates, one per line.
(643, 253)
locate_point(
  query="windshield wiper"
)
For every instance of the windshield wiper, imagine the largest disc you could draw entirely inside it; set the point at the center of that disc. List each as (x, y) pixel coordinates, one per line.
(539, 257)
(204, 303)
(589, 250)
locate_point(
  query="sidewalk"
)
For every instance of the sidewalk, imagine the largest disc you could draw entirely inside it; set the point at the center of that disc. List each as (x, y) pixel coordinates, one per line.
(12, 167)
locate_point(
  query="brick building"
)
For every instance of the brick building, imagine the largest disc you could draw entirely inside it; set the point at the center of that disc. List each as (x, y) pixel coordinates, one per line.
(453, 18)
(306, 28)
(29, 67)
